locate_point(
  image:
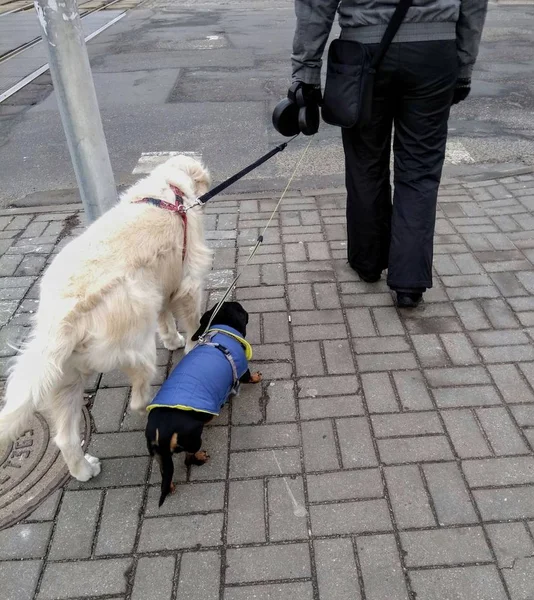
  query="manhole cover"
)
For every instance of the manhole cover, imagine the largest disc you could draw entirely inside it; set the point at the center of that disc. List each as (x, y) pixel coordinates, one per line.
(31, 469)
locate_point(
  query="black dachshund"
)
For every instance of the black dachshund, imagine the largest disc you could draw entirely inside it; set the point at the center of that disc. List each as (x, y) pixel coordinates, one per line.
(197, 389)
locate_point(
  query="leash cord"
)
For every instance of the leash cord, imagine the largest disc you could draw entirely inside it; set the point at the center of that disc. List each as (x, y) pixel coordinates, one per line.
(231, 180)
(259, 242)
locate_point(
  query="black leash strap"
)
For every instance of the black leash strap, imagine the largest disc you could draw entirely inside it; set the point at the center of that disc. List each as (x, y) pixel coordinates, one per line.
(222, 186)
(391, 31)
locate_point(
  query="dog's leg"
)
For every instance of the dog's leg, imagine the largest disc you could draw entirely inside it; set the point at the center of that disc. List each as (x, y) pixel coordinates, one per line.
(141, 373)
(170, 337)
(187, 309)
(66, 413)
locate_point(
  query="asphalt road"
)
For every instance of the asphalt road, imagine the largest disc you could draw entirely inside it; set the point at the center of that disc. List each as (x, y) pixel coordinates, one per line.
(203, 77)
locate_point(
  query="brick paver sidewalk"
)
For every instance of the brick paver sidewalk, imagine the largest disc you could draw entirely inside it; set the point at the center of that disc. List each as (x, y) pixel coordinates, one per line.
(386, 456)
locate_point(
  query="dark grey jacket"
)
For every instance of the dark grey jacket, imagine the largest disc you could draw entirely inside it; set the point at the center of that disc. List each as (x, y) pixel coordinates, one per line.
(366, 20)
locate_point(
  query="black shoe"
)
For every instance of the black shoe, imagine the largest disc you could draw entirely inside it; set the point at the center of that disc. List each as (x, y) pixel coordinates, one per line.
(405, 300)
(369, 277)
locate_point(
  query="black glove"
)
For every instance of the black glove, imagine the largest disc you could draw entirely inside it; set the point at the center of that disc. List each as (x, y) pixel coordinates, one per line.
(463, 87)
(299, 112)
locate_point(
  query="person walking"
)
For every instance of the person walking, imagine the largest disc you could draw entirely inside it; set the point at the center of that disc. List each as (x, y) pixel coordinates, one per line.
(426, 68)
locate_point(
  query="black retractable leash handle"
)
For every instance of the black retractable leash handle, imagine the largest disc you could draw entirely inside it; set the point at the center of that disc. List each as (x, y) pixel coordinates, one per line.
(231, 180)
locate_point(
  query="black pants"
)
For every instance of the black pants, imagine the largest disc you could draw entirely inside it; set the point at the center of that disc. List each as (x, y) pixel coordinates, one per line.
(413, 91)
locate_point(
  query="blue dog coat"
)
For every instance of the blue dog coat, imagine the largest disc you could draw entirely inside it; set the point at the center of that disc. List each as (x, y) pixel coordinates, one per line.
(204, 379)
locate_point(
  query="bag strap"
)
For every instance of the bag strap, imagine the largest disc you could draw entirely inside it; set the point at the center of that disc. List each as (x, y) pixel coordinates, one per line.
(391, 31)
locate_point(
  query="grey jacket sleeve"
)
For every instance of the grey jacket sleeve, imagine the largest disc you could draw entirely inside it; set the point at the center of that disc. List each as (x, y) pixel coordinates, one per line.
(314, 22)
(468, 33)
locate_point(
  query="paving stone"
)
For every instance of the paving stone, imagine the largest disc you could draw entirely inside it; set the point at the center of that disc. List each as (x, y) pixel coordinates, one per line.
(272, 591)
(449, 494)
(154, 578)
(473, 395)
(199, 576)
(406, 424)
(300, 297)
(502, 433)
(48, 509)
(114, 445)
(76, 524)
(308, 359)
(280, 401)
(264, 436)
(85, 579)
(287, 512)
(265, 462)
(360, 322)
(275, 327)
(414, 449)
(412, 390)
(381, 567)
(246, 521)
(345, 485)
(460, 583)
(408, 497)
(499, 314)
(120, 517)
(471, 315)
(108, 409)
(510, 383)
(268, 563)
(510, 542)
(337, 576)
(189, 498)
(459, 349)
(319, 446)
(499, 471)
(117, 472)
(247, 406)
(379, 393)
(174, 533)
(327, 386)
(465, 434)
(350, 517)
(429, 350)
(319, 408)
(338, 357)
(457, 376)
(19, 579)
(445, 547)
(504, 504)
(355, 441)
(24, 541)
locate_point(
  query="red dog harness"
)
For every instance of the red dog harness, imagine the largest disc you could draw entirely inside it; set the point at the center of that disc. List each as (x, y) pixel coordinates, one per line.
(177, 208)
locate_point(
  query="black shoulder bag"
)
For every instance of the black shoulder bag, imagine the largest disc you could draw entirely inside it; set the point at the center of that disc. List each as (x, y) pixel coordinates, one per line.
(350, 74)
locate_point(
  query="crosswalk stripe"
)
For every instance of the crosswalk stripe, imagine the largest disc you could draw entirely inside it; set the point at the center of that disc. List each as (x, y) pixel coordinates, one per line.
(149, 160)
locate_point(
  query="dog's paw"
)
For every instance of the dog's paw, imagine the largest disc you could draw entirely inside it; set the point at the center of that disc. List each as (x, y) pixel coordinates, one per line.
(198, 458)
(95, 464)
(173, 342)
(88, 468)
(256, 377)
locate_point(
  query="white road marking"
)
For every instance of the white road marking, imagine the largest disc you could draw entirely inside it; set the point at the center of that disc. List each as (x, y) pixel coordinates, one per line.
(456, 153)
(149, 160)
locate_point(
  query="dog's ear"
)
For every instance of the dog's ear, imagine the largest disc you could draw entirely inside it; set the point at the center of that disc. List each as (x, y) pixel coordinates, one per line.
(198, 173)
(204, 320)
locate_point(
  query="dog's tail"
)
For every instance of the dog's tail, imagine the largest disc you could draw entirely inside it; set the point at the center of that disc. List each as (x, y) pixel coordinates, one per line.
(35, 373)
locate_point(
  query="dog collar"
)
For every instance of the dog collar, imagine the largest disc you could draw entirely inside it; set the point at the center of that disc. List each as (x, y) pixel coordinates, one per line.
(178, 207)
(242, 341)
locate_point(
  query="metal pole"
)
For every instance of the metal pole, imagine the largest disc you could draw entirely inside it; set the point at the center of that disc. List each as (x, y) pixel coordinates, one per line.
(78, 106)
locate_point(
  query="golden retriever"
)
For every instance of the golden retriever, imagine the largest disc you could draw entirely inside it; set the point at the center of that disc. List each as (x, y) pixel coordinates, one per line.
(102, 300)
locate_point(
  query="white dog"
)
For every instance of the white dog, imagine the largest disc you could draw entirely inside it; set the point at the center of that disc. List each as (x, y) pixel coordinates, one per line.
(102, 300)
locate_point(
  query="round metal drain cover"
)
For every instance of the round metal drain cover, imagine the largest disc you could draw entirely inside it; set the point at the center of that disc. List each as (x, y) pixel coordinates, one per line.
(31, 469)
